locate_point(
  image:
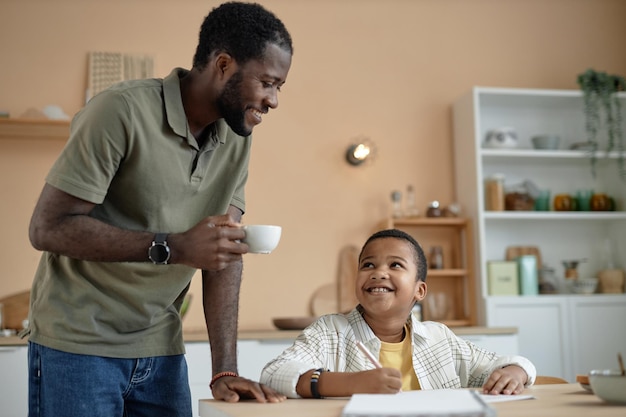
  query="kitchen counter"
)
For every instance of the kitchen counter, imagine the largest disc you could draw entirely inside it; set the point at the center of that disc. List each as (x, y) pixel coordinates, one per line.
(200, 335)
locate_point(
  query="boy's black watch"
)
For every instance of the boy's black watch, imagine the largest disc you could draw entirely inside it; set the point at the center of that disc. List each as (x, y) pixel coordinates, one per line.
(159, 252)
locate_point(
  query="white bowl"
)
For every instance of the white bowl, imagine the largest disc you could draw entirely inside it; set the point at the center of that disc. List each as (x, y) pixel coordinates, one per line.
(546, 141)
(585, 285)
(608, 384)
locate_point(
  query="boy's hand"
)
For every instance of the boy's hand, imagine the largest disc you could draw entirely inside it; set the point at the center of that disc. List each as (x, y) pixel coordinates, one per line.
(508, 380)
(378, 381)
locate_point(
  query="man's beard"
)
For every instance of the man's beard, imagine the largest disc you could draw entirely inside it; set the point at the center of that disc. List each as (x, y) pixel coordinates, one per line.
(230, 106)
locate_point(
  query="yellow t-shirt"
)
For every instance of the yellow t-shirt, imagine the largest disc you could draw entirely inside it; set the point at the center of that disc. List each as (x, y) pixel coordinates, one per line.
(399, 356)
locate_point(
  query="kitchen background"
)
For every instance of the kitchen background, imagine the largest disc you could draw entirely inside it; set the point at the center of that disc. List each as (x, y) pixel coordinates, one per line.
(388, 70)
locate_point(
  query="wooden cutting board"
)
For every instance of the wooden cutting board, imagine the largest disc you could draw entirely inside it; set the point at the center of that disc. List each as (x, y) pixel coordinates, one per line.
(324, 300)
(15, 308)
(514, 252)
(346, 278)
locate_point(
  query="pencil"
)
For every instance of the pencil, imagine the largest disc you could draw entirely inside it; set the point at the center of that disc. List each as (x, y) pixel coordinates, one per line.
(368, 354)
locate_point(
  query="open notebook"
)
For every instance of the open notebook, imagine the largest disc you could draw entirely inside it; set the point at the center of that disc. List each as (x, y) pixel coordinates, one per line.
(440, 402)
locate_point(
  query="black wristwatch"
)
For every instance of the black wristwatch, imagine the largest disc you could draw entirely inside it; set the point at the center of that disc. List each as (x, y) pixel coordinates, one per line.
(159, 252)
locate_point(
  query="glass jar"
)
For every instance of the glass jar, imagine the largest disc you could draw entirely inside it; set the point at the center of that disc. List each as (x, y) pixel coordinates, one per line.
(494, 193)
(411, 207)
(563, 202)
(433, 209)
(396, 204)
(435, 260)
(600, 202)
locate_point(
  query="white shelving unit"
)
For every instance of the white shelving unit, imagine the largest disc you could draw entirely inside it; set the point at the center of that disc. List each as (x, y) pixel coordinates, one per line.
(558, 235)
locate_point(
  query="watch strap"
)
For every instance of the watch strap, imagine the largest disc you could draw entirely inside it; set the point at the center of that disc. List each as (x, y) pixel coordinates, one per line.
(160, 238)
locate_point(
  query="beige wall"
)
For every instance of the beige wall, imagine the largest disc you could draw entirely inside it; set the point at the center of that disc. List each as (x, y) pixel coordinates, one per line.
(387, 69)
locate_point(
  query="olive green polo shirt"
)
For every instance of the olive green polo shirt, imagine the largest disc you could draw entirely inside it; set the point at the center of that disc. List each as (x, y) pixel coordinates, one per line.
(131, 153)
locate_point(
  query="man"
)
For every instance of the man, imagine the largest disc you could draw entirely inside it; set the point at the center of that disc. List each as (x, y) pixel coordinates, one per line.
(149, 188)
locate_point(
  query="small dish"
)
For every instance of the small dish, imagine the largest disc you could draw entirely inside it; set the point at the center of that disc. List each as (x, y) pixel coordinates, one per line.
(293, 323)
(549, 142)
(585, 285)
(582, 146)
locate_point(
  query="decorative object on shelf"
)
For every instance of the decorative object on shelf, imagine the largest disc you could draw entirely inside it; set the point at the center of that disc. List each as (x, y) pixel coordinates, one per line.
(514, 252)
(437, 306)
(521, 197)
(360, 151)
(564, 202)
(433, 209)
(611, 281)
(396, 204)
(585, 285)
(54, 112)
(494, 192)
(601, 202)
(501, 138)
(528, 276)
(503, 277)
(571, 271)
(435, 260)
(583, 199)
(452, 210)
(548, 142)
(542, 202)
(600, 95)
(517, 201)
(411, 207)
(548, 283)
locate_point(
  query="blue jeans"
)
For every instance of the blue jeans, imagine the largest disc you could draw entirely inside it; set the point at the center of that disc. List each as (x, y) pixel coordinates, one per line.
(66, 384)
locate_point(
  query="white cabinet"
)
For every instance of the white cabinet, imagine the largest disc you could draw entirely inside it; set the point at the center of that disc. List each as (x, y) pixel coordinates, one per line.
(502, 344)
(554, 331)
(14, 385)
(542, 334)
(598, 332)
(565, 335)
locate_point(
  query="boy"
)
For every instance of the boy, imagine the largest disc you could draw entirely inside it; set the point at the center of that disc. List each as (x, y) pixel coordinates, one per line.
(325, 361)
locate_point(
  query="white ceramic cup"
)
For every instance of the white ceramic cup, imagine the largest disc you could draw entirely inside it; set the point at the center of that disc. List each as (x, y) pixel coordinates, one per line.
(262, 238)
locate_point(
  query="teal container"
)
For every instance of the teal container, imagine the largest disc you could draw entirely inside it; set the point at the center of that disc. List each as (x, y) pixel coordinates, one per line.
(528, 276)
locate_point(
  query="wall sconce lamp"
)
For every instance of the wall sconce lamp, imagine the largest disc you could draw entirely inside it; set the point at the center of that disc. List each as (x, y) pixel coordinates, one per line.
(361, 151)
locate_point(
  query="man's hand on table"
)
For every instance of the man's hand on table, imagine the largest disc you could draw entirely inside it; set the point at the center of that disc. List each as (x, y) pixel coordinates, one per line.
(231, 389)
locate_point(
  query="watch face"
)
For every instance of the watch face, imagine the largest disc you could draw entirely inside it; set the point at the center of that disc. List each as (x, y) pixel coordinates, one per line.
(159, 253)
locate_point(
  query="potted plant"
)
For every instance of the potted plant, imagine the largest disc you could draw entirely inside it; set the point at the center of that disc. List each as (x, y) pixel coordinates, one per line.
(600, 98)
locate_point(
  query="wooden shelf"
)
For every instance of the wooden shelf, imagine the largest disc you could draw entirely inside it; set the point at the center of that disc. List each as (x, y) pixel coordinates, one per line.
(34, 129)
(428, 221)
(456, 279)
(457, 323)
(447, 273)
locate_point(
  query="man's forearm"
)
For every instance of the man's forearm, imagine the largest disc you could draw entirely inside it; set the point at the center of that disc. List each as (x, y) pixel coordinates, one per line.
(221, 310)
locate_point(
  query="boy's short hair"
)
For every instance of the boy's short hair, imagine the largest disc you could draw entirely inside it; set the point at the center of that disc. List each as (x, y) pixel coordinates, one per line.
(418, 253)
(242, 30)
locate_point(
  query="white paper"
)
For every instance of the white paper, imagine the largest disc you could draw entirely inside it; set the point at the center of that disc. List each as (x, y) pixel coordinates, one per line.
(440, 402)
(504, 398)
